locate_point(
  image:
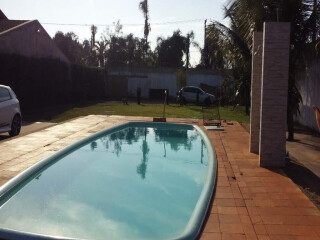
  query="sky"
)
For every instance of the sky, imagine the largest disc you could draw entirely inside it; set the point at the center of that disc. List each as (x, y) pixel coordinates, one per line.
(105, 12)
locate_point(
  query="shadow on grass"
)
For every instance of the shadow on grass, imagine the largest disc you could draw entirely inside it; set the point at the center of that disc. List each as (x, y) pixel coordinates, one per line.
(48, 113)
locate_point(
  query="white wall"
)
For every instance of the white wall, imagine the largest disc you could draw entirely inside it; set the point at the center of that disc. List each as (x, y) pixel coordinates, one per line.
(310, 91)
(165, 80)
(135, 82)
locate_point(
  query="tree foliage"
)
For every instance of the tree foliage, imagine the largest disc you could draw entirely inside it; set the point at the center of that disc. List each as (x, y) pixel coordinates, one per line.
(230, 47)
(170, 50)
(144, 7)
(94, 30)
(112, 49)
(70, 46)
(117, 49)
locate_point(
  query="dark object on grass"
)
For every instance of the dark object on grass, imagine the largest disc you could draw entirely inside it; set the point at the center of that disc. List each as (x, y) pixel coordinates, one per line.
(167, 97)
(125, 101)
(139, 95)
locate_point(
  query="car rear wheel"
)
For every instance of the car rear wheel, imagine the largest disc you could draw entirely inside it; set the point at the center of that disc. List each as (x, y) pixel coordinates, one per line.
(15, 126)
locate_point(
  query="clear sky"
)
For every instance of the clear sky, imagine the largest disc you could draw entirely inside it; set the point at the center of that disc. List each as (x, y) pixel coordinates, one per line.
(106, 12)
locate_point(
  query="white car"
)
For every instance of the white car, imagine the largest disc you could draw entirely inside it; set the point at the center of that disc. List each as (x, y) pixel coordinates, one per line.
(10, 114)
(190, 94)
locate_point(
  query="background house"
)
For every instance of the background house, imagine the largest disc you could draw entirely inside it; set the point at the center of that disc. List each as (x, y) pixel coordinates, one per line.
(27, 38)
(124, 81)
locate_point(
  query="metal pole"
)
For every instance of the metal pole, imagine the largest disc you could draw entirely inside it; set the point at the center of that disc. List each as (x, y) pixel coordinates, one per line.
(164, 104)
(205, 49)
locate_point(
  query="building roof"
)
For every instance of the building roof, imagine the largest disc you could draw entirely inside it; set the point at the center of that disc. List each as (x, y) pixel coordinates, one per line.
(3, 16)
(8, 24)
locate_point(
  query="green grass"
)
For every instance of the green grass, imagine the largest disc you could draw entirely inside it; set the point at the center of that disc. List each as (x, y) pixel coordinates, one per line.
(63, 113)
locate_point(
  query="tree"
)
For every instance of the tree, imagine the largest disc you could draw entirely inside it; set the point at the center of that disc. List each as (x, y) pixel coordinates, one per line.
(144, 7)
(229, 53)
(89, 57)
(230, 47)
(170, 50)
(69, 44)
(94, 30)
(124, 49)
(189, 41)
(101, 47)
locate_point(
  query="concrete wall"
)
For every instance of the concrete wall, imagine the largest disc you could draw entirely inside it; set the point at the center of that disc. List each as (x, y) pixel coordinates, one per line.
(117, 87)
(164, 80)
(274, 94)
(31, 40)
(256, 92)
(309, 86)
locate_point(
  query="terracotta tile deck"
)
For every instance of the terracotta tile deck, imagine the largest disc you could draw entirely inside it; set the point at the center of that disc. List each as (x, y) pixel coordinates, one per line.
(250, 202)
(253, 202)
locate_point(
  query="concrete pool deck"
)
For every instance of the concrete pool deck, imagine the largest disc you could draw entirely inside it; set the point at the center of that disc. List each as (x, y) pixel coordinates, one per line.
(250, 202)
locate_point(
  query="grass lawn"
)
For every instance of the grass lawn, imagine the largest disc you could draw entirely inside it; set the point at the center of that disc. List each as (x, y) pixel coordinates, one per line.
(63, 113)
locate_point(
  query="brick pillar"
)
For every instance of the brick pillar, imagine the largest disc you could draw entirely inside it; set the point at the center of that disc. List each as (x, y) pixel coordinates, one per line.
(256, 91)
(274, 91)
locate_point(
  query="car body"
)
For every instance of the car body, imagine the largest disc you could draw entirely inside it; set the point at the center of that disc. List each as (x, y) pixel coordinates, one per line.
(191, 94)
(10, 114)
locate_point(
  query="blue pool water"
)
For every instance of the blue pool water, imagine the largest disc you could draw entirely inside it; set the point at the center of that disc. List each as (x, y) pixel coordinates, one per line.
(134, 182)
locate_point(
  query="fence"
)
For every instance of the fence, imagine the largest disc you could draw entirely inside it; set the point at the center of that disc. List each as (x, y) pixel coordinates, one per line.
(49, 82)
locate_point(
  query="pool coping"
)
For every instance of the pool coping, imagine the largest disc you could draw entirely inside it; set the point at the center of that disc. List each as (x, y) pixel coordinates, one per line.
(193, 228)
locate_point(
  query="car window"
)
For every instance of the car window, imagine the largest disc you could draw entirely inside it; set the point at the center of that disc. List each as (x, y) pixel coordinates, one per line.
(191, 90)
(194, 90)
(4, 94)
(197, 90)
(187, 90)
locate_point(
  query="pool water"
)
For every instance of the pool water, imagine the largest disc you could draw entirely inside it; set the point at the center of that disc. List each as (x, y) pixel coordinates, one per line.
(136, 182)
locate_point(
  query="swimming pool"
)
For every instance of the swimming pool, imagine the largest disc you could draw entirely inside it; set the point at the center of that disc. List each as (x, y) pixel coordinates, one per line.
(134, 181)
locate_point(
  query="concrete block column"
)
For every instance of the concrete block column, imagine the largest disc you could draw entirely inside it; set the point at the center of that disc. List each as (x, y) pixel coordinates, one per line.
(256, 92)
(274, 91)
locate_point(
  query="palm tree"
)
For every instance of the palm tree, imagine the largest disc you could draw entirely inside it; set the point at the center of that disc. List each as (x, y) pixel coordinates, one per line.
(230, 53)
(101, 47)
(189, 41)
(144, 7)
(229, 48)
(93, 29)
